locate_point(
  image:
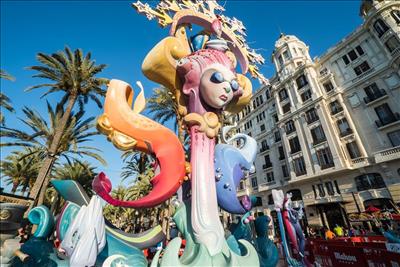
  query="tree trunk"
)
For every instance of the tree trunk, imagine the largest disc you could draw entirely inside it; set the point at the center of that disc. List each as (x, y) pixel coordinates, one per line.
(43, 178)
(14, 188)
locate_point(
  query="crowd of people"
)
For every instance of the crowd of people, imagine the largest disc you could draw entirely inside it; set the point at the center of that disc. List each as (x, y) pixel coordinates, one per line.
(340, 231)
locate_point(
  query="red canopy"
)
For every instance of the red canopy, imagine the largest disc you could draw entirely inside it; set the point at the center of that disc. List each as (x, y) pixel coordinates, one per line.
(372, 209)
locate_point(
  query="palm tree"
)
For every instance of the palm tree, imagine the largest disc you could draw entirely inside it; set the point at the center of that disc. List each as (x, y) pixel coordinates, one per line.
(20, 168)
(42, 133)
(74, 74)
(163, 106)
(135, 163)
(82, 172)
(5, 102)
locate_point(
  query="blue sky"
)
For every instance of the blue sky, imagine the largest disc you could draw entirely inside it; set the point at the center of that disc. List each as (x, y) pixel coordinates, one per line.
(119, 37)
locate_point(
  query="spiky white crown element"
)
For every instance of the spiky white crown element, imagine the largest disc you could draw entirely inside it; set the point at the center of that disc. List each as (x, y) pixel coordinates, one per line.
(165, 10)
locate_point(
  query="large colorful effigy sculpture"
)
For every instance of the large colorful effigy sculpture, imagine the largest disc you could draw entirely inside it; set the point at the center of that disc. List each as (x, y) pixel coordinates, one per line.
(200, 71)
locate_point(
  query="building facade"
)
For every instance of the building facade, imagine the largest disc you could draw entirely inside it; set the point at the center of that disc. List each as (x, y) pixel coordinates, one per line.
(328, 128)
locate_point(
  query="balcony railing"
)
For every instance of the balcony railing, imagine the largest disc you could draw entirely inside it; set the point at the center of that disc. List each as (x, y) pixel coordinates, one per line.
(263, 149)
(319, 141)
(380, 123)
(327, 165)
(267, 165)
(336, 110)
(346, 133)
(311, 119)
(378, 94)
(388, 154)
(295, 150)
(290, 130)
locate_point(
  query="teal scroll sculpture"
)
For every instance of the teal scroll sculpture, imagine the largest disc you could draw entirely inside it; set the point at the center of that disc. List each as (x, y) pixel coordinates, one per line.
(267, 251)
(196, 254)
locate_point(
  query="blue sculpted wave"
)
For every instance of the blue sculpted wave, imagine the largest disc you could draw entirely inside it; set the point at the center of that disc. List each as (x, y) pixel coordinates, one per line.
(231, 163)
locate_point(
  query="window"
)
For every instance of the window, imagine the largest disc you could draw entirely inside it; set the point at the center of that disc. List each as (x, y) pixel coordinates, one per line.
(369, 181)
(306, 96)
(315, 191)
(268, 163)
(336, 186)
(264, 146)
(280, 60)
(328, 87)
(329, 188)
(296, 194)
(286, 108)
(289, 127)
(380, 27)
(283, 95)
(299, 166)
(318, 135)
(268, 93)
(321, 190)
(262, 127)
(301, 81)
(346, 59)
(270, 177)
(362, 68)
(275, 116)
(344, 128)
(360, 51)
(335, 107)
(325, 158)
(254, 183)
(373, 92)
(385, 115)
(285, 171)
(352, 55)
(392, 43)
(353, 150)
(286, 55)
(394, 138)
(281, 153)
(277, 136)
(270, 200)
(396, 15)
(311, 115)
(294, 145)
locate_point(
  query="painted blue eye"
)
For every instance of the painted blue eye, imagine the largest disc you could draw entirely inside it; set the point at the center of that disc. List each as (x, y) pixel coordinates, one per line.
(234, 85)
(217, 77)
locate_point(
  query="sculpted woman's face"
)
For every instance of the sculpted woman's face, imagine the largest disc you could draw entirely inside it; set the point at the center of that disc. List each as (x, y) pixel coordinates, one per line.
(218, 85)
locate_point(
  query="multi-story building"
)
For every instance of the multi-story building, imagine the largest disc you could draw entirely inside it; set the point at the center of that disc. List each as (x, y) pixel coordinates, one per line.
(328, 128)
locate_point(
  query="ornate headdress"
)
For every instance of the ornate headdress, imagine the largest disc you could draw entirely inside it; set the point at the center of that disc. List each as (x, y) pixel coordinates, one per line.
(203, 13)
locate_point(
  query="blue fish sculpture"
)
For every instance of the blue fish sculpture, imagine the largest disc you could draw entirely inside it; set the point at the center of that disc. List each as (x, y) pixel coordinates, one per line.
(231, 163)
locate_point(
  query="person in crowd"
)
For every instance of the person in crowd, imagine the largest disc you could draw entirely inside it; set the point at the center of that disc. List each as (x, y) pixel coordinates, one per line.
(329, 234)
(356, 231)
(351, 232)
(338, 231)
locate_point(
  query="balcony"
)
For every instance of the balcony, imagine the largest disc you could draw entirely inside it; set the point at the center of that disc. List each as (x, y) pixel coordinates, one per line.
(336, 110)
(377, 95)
(391, 119)
(346, 133)
(267, 165)
(295, 150)
(318, 141)
(312, 119)
(388, 154)
(290, 130)
(360, 162)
